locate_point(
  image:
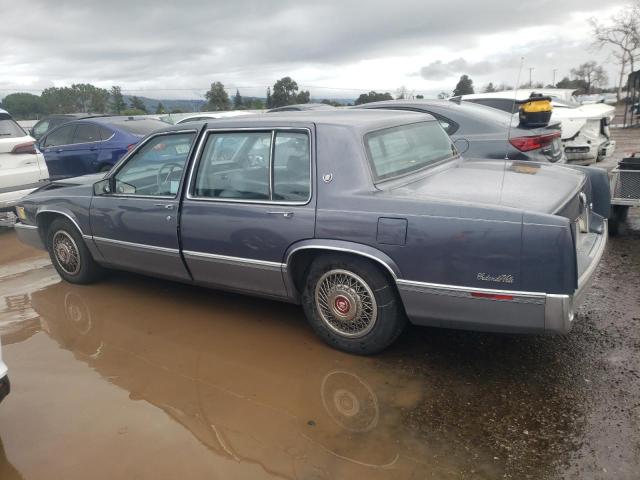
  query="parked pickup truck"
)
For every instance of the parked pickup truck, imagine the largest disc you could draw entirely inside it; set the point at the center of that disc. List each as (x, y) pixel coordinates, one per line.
(366, 218)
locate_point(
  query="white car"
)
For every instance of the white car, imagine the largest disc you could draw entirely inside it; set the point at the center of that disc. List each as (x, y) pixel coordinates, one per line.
(198, 117)
(22, 167)
(585, 128)
(5, 386)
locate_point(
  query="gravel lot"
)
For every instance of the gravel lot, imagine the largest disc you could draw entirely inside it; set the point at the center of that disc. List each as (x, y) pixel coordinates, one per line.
(147, 379)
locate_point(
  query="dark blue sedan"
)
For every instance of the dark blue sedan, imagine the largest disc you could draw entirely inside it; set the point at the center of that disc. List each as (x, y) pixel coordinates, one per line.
(92, 145)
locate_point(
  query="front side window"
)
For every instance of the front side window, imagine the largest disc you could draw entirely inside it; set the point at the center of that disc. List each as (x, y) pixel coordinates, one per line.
(61, 136)
(40, 128)
(156, 168)
(400, 150)
(238, 165)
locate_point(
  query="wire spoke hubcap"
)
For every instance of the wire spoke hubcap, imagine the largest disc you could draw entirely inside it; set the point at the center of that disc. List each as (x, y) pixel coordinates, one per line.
(66, 252)
(345, 303)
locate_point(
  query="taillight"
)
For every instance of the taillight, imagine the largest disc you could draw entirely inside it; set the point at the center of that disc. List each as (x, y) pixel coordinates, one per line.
(130, 147)
(29, 147)
(525, 144)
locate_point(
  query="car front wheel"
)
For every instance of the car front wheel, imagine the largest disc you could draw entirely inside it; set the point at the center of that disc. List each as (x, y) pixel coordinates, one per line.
(69, 254)
(352, 305)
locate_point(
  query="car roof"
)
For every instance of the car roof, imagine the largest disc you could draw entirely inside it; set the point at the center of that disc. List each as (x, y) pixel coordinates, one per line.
(472, 112)
(361, 120)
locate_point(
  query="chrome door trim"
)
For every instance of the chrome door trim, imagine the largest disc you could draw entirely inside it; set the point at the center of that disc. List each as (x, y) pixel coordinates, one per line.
(233, 260)
(274, 131)
(136, 245)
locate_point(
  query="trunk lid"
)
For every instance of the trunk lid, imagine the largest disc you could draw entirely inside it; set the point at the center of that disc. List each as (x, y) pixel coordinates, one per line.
(523, 185)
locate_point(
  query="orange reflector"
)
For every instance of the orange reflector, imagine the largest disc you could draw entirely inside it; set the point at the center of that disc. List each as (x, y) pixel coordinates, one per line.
(492, 296)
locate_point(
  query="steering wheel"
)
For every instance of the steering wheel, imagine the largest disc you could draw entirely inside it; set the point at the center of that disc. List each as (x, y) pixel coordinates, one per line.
(254, 160)
(169, 168)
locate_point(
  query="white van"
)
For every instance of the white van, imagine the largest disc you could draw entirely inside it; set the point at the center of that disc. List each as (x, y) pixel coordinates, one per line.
(22, 167)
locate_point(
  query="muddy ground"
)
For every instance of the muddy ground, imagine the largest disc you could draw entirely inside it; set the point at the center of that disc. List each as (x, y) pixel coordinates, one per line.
(139, 378)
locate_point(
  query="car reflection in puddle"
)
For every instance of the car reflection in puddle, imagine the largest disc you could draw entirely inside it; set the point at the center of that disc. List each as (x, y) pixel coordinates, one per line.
(252, 387)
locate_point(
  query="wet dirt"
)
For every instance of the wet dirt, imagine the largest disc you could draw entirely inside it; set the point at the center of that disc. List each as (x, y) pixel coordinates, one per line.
(138, 378)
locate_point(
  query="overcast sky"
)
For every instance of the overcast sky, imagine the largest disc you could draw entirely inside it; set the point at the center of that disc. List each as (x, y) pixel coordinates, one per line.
(335, 49)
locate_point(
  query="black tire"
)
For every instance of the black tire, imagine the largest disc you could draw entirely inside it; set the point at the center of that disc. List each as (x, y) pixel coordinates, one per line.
(63, 234)
(362, 291)
(617, 219)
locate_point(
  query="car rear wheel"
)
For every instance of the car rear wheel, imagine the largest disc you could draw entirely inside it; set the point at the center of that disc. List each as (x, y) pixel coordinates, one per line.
(352, 305)
(69, 254)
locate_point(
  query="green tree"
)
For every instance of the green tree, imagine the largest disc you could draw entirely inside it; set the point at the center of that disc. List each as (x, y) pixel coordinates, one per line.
(285, 92)
(592, 74)
(303, 97)
(130, 112)
(373, 96)
(116, 105)
(269, 102)
(419, 97)
(464, 86)
(489, 88)
(217, 97)
(444, 95)
(237, 101)
(160, 109)
(59, 100)
(574, 84)
(24, 106)
(137, 103)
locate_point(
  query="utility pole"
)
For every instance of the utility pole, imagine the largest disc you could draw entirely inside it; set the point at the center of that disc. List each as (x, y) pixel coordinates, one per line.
(554, 77)
(531, 69)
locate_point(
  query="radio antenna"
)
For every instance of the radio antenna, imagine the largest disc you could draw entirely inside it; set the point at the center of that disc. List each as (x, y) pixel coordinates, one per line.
(515, 99)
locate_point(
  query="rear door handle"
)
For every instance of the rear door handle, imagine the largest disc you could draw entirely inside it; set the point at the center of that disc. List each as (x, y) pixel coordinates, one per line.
(284, 214)
(167, 206)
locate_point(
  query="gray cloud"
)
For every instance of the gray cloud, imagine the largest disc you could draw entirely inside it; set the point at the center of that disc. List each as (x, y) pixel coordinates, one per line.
(190, 43)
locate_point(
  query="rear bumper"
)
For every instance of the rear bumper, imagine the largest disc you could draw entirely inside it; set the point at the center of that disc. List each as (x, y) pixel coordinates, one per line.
(30, 235)
(499, 310)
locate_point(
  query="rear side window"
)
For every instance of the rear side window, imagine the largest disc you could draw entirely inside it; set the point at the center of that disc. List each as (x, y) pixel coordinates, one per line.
(9, 128)
(400, 150)
(105, 133)
(61, 136)
(86, 133)
(238, 165)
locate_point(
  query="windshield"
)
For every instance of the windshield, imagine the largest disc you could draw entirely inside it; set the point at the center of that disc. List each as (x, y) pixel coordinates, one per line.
(407, 148)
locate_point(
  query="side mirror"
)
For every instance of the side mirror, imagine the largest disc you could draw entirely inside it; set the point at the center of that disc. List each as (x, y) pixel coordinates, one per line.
(462, 145)
(103, 187)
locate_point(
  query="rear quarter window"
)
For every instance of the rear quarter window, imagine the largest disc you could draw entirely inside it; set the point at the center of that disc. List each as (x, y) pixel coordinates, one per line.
(9, 128)
(404, 149)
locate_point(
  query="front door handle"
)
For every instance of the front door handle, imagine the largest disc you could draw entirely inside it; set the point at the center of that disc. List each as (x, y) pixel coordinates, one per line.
(284, 214)
(167, 206)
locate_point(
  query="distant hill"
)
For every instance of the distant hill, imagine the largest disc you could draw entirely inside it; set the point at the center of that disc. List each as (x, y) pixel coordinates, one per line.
(169, 105)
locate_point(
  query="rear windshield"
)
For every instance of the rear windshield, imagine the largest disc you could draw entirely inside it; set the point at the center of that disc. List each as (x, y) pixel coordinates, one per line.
(9, 128)
(139, 127)
(408, 148)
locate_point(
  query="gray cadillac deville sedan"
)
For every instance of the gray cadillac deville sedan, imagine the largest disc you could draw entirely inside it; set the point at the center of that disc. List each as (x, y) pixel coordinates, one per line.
(366, 218)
